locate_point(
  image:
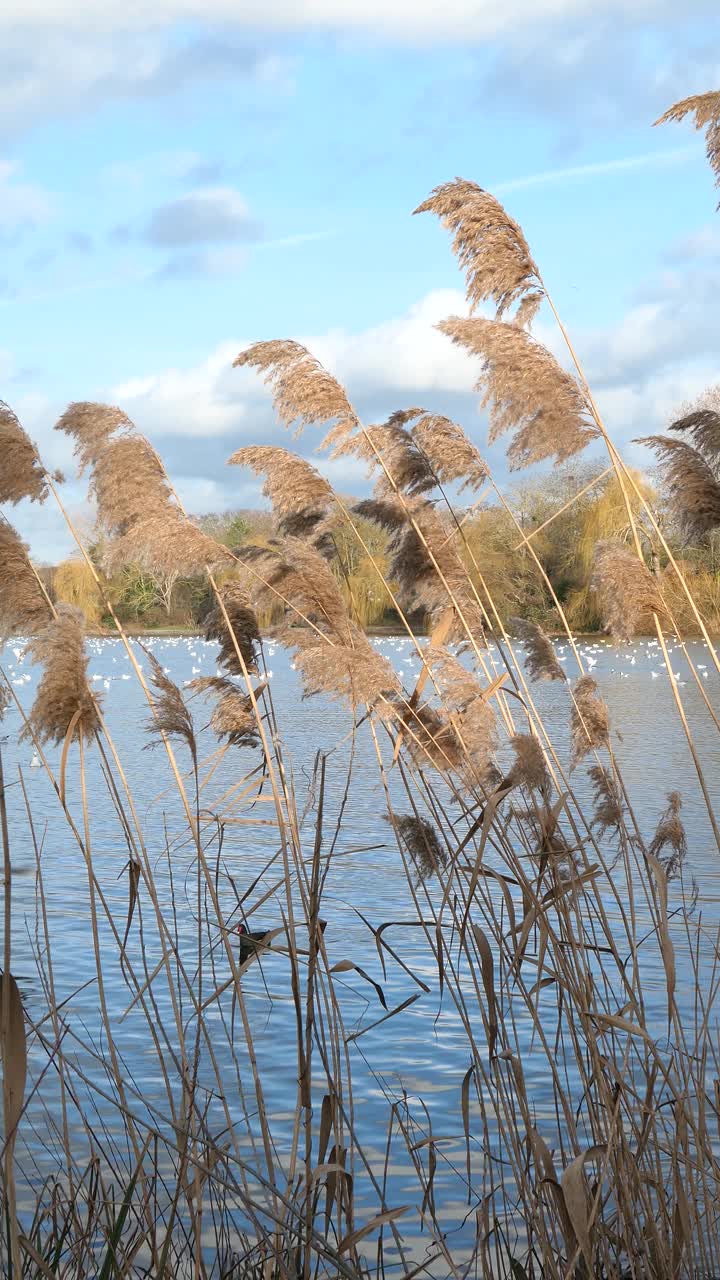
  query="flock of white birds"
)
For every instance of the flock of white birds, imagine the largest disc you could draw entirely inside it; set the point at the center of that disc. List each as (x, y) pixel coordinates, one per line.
(190, 656)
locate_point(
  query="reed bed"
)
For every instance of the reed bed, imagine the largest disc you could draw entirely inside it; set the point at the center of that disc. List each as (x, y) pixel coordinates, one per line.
(540, 902)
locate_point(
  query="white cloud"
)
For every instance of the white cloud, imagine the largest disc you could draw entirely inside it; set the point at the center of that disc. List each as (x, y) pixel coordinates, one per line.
(641, 369)
(405, 19)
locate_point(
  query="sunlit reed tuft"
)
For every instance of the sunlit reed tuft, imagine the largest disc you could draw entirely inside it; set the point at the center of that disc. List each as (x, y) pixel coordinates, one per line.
(705, 107)
(63, 698)
(303, 391)
(525, 390)
(590, 724)
(233, 716)
(91, 425)
(392, 450)
(21, 472)
(23, 606)
(451, 455)
(540, 658)
(300, 496)
(490, 247)
(352, 669)
(628, 591)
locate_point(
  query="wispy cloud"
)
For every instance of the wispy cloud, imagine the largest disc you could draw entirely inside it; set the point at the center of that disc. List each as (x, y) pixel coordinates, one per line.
(596, 169)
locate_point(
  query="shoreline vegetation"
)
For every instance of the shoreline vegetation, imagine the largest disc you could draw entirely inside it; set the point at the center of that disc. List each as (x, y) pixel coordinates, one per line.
(564, 931)
(563, 518)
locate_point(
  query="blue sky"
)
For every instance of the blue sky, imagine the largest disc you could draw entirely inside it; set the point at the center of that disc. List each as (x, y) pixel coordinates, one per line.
(173, 187)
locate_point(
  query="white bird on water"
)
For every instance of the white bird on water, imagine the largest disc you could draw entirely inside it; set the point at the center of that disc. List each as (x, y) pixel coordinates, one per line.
(35, 762)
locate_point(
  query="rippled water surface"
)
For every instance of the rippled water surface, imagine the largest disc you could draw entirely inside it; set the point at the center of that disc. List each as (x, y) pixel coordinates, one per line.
(422, 1051)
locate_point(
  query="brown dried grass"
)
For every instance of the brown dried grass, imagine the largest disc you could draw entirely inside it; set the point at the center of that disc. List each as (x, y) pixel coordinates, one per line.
(301, 498)
(243, 632)
(171, 717)
(693, 488)
(628, 591)
(233, 717)
(705, 108)
(91, 425)
(23, 607)
(137, 508)
(307, 583)
(490, 247)
(303, 391)
(63, 696)
(702, 424)
(669, 843)
(525, 390)
(421, 841)
(529, 768)
(353, 671)
(590, 723)
(450, 454)
(391, 448)
(540, 657)
(21, 472)
(608, 806)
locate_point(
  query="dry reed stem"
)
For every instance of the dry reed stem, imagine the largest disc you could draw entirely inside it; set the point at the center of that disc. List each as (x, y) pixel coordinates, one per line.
(302, 390)
(490, 247)
(63, 698)
(705, 107)
(629, 593)
(21, 473)
(23, 606)
(525, 390)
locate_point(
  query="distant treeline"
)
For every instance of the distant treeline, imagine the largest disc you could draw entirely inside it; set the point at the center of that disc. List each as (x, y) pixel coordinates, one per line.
(555, 524)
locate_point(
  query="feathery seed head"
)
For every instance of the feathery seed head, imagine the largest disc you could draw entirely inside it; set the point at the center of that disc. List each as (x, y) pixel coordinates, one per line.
(21, 472)
(525, 390)
(63, 691)
(490, 247)
(302, 390)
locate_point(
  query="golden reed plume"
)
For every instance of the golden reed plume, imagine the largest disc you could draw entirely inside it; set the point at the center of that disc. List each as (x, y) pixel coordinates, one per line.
(303, 391)
(705, 108)
(525, 390)
(23, 606)
(629, 594)
(63, 700)
(490, 247)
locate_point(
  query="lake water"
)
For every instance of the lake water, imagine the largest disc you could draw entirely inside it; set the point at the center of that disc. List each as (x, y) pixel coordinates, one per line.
(422, 1052)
